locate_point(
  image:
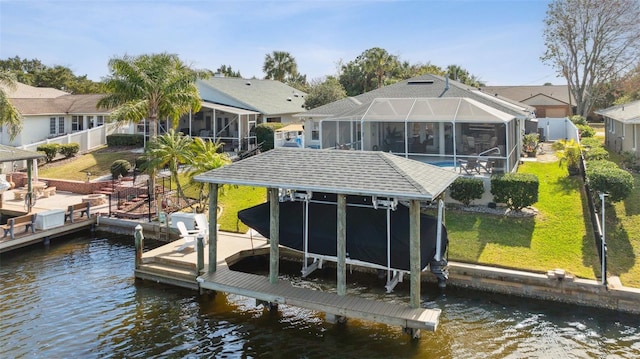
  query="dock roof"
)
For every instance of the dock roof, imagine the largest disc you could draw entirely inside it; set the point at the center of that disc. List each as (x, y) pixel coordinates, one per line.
(364, 173)
(9, 153)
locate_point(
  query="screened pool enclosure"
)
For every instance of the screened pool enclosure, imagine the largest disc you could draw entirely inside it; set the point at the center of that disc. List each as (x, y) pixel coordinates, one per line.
(427, 129)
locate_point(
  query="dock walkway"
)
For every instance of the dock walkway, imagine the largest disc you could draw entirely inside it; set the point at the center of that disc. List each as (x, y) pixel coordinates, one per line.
(167, 265)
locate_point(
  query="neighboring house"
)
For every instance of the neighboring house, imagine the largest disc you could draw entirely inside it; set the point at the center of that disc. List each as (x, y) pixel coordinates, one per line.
(428, 118)
(49, 113)
(622, 127)
(553, 101)
(232, 107)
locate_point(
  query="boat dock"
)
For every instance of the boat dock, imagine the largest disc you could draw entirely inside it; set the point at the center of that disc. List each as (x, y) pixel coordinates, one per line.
(167, 265)
(54, 206)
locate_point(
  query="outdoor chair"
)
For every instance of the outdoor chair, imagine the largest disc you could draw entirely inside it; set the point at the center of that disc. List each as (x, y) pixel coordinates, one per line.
(202, 226)
(469, 166)
(188, 236)
(486, 165)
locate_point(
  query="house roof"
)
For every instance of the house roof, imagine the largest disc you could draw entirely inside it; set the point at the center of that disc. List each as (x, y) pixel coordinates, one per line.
(25, 91)
(626, 113)
(9, 153)
(230, 109)
(427, 109)
(425, 86)
(67, 104)
(365, 173)
(268, 97)
(525, 93)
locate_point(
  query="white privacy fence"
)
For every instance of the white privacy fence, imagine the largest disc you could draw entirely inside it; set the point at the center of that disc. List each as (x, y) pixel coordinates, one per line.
(88, 140)
(558, 129)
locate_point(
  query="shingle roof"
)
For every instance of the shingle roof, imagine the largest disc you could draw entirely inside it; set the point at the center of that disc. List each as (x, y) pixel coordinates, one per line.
(627, 113)
(67, 104)
(522, 93)
(368, 173)
(25, 91)
(425, 86)
(268, 97)
(8, 153)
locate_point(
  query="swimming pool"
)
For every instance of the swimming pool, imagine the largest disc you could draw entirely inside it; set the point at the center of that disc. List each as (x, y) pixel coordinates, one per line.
(443, 164)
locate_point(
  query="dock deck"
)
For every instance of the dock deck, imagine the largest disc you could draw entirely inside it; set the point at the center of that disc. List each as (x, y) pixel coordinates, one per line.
(167, 265)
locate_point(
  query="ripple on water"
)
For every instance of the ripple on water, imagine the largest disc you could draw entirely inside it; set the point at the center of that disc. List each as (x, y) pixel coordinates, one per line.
(78, 298)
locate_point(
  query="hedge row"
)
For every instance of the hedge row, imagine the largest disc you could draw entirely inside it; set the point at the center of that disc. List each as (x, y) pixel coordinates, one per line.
(51, 150)
(516, 190)
(125, 139)
(603, 175)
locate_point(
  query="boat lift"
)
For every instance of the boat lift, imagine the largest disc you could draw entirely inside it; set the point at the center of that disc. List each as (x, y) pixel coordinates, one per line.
(394, 276)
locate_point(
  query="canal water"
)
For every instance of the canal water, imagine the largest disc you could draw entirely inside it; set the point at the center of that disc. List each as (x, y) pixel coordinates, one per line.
(77, 298)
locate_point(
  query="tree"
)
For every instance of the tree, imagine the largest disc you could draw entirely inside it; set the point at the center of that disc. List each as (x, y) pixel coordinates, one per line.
(227, 71)
(378, 63)
(170, 150)
(151, 87)
(590, 42)
(205, 156)
(35, 73)
(324, 92)
(279, 65)
(460, 74)
(9, 114)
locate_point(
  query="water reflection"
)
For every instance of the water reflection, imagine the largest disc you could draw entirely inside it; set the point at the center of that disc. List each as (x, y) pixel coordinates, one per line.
(78, 298)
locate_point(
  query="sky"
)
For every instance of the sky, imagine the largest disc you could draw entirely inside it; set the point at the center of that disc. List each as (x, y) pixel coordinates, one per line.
(499, 41)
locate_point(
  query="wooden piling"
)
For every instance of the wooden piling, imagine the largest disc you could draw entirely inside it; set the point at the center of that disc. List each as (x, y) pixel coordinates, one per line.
(342, 244)
(139, 243)
(414, 245)
(274, 236)
(213, 222)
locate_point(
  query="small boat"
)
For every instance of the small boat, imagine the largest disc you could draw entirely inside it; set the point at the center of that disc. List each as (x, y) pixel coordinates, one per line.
(369, 232)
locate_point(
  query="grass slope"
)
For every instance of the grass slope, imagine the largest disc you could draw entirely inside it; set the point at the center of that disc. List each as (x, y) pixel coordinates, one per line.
(558, 237)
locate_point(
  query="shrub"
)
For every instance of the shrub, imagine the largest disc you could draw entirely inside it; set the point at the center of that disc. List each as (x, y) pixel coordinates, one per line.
(516, 190)
(586, 131)
(120, 168)
(629, 159)
(579, 120)
(466, 189)
(596, 154)
(125, 139)
(265, 133)
(50, 150)
(69, 150)
(590, 142)
(607, 177)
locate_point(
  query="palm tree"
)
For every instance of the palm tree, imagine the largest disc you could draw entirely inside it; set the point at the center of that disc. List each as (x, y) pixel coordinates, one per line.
(151, 87)
(279, 65)
(379, 62)
(9, 114)
(206, 157)
(170, 150)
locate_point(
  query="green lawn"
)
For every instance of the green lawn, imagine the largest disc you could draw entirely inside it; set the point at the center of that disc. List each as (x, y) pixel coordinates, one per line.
(622, 231)
(558, 237)
(234, 199)
(98, 163)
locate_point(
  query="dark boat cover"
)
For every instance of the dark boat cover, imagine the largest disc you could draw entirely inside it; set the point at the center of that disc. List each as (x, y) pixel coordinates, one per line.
(366, 231)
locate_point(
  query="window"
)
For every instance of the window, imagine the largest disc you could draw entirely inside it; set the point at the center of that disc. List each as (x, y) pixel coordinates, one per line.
(60, 125)
(76, 123)
(52, 126)
(611, 126)
(99, 120)
(315, 132)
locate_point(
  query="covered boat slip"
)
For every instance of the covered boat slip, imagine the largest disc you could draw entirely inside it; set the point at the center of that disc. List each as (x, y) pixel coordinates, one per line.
(296, 174)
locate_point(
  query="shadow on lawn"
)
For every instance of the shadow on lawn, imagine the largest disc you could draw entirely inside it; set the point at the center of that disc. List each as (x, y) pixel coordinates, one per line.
(632, 203)
(472, 233)
(620, 255)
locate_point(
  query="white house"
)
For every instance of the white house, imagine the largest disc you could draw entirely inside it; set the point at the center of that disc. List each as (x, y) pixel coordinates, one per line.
(622, 127)
(49, 113)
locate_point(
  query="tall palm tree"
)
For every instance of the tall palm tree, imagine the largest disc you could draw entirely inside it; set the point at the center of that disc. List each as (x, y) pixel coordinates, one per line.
(379, 63)
(151, 87)
(279, 65)
(9, 114)
(170, 150)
